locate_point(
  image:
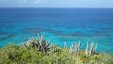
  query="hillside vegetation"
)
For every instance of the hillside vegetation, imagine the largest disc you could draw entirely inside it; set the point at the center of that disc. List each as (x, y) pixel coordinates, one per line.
(39, 51)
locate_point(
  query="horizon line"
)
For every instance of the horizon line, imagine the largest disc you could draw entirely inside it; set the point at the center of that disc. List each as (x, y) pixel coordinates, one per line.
(62, 7)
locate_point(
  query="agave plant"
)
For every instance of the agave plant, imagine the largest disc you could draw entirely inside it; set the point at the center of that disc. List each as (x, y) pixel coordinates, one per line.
(39, 44)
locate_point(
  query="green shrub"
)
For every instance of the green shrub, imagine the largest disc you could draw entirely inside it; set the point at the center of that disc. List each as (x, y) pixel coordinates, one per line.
(13, 54)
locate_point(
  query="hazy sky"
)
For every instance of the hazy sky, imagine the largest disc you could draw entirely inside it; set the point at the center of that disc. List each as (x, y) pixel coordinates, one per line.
(58, 3)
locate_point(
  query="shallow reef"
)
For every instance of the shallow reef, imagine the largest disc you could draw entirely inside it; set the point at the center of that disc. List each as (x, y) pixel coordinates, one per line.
(5, 35)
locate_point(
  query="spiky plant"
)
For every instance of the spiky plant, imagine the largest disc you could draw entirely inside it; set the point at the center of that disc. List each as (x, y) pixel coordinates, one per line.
(65, 46)
(78, 46)
(86, 51)
(39, 44)
(92, 49)
(75, 47)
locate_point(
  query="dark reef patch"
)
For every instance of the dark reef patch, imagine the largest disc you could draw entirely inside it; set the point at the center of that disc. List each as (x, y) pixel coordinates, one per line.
(63, 35)
(74, 34)
(38, 30)
(5, 35)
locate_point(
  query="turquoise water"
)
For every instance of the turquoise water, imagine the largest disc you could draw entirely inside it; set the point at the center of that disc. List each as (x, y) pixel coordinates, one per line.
(58, 25)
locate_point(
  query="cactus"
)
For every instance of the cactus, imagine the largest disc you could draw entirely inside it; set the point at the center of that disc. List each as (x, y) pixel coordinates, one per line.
(86, 51)
(95, 47)
(92, 49)
(75, 47)
(39, 44)
(78, 46)
(65, 46)
(72, 48)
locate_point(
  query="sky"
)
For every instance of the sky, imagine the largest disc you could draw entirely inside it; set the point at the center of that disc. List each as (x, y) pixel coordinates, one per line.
(58, 3)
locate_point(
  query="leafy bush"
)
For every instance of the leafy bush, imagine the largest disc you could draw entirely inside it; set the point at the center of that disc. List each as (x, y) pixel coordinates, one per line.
(13, 54)
(27, 53)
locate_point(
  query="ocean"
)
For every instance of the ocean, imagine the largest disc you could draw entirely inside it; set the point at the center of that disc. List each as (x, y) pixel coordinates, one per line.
(59, 25)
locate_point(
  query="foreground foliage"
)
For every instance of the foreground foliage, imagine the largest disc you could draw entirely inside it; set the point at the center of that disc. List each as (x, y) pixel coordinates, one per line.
(39, 51)
(13, 54)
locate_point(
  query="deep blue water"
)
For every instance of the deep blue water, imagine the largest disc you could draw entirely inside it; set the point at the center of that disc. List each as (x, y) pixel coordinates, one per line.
(58, 25)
